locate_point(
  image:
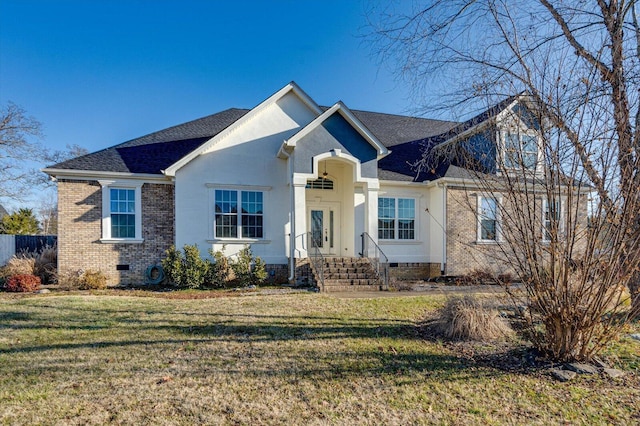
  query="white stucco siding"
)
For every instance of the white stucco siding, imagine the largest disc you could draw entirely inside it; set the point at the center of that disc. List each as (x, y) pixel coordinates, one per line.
(243, 160)
(402, 250)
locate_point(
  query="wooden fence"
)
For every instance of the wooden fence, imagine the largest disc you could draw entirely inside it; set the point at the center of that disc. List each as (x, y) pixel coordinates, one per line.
(12, 244)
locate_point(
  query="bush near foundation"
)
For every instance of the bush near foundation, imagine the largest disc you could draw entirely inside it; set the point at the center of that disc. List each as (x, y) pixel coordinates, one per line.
(22, 283)
(93, 280)
(82, 280)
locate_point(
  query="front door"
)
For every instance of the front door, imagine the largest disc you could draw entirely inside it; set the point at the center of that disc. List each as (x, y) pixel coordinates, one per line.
(323, 224)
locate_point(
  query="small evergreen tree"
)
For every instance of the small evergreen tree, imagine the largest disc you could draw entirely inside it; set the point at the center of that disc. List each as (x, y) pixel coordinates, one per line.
(22, 222)
(248, 270)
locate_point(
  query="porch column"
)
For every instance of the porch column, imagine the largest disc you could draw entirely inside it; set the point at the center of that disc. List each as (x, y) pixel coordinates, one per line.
(299, 194)
(371, 222)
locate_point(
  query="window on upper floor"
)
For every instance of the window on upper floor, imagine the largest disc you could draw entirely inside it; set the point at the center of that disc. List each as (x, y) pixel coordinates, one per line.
(488, 219)
(238, 214)
(396, 218)
(520, 151)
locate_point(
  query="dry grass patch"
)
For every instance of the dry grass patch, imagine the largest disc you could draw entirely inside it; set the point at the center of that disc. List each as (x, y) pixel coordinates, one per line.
(467, 318)
(291, 359)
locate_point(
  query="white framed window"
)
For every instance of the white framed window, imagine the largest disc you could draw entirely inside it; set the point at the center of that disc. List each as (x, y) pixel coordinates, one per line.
(551, 219)
(121, 211)
(488, 230)
(521, 151)
(396, 218)
(238, 214)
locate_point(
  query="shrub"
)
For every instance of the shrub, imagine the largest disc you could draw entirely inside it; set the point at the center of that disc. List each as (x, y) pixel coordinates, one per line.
(46, 264)
(477, 276)
(248, 270)
(22, 264)
(185, 269)
(93, 280)
(173, 266)
(70, 280)
(22, 283)
(465, 318)
(42, 264)
(195, 269)
(218, 270)
(82, 280)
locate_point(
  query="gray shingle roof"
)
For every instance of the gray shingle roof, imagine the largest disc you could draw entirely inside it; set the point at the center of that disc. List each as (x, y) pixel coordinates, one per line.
(155, 151)
(406, 137)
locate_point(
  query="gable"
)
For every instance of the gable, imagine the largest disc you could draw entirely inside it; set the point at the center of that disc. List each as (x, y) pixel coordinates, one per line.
(333, 133)
(278, 99)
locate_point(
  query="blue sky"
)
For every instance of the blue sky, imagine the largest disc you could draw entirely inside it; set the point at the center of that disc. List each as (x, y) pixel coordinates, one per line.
(100, 72)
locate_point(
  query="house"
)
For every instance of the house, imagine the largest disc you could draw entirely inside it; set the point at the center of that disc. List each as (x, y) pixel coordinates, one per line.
(283, 174)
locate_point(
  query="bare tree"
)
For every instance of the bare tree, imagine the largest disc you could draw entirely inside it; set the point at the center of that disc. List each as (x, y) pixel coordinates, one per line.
(48, 214)
(16, 151)
(576, 65)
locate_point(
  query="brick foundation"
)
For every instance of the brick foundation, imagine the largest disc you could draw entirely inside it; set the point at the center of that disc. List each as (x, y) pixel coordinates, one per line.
(413, 271)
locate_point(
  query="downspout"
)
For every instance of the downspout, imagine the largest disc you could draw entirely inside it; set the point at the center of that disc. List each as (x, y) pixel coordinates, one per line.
(292, 220)
(443, 260)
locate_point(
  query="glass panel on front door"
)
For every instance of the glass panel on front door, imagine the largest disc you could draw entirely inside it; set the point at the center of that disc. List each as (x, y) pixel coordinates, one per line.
(317, 227)
(322, 226)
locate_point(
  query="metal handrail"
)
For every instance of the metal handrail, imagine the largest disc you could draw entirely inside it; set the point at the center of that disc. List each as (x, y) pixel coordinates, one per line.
(377, 259)
(316, 258)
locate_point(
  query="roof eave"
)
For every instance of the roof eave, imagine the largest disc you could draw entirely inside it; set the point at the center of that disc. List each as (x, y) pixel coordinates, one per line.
(94, 174)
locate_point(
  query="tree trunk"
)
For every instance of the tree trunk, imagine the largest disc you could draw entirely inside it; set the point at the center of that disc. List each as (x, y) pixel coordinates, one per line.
(634, 289)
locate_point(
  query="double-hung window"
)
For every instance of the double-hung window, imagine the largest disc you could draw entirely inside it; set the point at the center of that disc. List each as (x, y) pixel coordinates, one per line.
(121, 211)
(488, 226)
(396, 218)
(238, 214)
(520, 151)
(551, 225)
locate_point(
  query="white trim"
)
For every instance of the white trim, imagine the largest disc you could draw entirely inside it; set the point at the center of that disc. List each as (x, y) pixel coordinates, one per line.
(239, 187)
(238, 241)
(342, 109)
(291, 87)
(107, 185)
(95, 175)
(121, 241)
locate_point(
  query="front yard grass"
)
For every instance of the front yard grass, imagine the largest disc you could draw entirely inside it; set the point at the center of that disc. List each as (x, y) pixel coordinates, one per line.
(274, 359)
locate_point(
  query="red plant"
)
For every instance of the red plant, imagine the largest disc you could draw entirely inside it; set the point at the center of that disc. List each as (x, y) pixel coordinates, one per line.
(22, 283)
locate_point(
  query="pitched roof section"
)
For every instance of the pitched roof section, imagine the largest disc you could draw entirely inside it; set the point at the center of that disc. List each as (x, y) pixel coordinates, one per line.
(155, 151)
(406, 137)
(399, 165)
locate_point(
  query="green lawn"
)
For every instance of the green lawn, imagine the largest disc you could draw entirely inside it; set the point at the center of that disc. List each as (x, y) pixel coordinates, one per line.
(280, 359)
